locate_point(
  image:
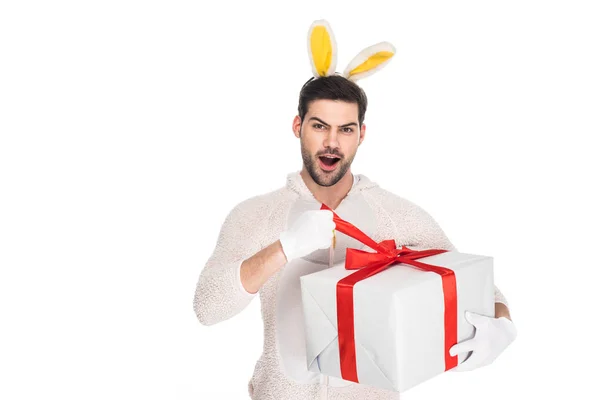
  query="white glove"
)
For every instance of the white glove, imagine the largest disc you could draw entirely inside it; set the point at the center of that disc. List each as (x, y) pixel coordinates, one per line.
(312, 230)
(492, 336)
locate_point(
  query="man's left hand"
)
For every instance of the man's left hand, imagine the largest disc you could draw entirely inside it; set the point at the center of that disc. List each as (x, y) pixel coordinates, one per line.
(492, 336)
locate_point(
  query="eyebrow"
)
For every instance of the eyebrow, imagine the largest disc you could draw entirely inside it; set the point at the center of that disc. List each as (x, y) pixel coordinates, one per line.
(326, 124)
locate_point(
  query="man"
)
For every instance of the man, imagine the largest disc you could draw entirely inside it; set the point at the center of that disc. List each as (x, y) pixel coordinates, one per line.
(269, 240)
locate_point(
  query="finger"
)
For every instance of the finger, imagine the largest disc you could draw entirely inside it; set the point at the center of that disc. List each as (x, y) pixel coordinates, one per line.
(325, 220)
(327, 213)
(332, 225)
(476, 319)
(325, 238)
(460, 368)
(467, 365)
(471, 363)
(462, 347)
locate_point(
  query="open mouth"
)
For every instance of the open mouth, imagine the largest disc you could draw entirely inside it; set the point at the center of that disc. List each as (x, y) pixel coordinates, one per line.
(329, 163)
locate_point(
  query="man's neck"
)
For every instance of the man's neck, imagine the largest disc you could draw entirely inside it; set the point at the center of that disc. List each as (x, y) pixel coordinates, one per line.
(331, 196)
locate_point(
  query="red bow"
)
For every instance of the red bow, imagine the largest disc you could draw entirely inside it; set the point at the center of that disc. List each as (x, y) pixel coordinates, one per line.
(369, 264)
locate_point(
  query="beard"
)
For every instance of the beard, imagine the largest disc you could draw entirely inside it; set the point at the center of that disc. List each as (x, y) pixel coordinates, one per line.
(321, 177)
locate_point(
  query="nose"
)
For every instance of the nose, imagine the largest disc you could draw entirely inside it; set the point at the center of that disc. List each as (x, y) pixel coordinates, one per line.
(331, 139)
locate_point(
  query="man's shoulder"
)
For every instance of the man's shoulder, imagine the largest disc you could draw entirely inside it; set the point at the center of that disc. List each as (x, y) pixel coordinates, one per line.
(393, 202)
(261, 203)
(387, 197)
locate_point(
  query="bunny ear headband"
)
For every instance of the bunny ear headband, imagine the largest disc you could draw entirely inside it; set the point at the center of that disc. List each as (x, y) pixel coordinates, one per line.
(323, 54)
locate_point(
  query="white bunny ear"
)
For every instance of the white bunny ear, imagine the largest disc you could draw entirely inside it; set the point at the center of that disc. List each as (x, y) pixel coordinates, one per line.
(322, 49)
(369, 61)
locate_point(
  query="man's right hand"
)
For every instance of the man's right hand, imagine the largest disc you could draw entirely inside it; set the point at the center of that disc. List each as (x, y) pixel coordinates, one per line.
(313, 230)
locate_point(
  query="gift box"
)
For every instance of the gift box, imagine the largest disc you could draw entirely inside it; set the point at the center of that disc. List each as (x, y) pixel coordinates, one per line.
(388, 318)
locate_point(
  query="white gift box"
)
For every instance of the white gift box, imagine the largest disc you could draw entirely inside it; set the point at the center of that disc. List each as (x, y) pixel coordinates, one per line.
(398, 318)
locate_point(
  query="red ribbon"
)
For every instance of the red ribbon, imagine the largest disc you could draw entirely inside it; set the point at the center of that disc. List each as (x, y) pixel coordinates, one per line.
(369, 264)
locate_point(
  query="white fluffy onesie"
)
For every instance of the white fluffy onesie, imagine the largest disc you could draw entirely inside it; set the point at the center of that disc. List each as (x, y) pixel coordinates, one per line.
(253, 224)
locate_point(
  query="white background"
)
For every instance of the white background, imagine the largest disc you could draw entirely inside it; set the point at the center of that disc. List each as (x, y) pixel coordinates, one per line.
(129, 129)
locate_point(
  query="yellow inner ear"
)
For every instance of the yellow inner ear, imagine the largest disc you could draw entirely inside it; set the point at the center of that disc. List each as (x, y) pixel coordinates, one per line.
(320, 46)
(373, 61)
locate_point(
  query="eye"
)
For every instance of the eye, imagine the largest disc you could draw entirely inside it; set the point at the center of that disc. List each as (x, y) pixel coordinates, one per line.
(348, 130)
(318, 126)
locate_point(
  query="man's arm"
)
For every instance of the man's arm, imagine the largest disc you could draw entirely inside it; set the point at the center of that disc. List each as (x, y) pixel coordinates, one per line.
(502, 311)
(220, 293)
(257, 270)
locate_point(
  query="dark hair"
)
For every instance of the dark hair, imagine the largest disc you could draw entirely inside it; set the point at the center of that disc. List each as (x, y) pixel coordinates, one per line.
(334, 87)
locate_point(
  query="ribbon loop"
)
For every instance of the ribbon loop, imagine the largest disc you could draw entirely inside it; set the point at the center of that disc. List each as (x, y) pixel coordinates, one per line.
(368, 264)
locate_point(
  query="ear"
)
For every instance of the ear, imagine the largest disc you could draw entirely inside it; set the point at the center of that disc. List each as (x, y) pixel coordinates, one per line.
(296, 125)
(370, 60)
(363, 128)
(322, 49)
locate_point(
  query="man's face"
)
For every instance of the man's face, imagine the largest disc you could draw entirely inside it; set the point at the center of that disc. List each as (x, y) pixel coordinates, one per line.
(329, 138)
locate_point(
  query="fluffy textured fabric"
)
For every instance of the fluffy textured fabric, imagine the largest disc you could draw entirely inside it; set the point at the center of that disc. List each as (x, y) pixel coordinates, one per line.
(256, 223)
